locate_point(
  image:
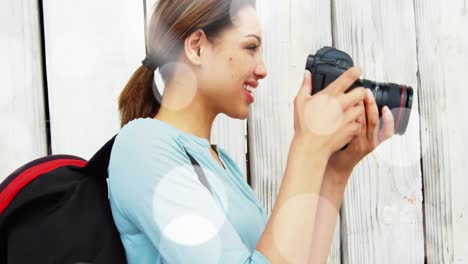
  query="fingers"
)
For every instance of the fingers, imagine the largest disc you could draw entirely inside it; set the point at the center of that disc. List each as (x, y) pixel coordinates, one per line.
(351, 98)
(362, 119)
(372, 115)
(344, 81)
(388, 127)
(374, 134)
(354, 114)
(304, 92)
(306, 87)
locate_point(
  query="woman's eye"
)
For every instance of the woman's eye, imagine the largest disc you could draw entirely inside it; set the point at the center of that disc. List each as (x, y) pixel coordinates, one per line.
(252, 47)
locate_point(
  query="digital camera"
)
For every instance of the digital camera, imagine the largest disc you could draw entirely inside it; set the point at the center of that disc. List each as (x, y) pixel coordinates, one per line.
(329, 63)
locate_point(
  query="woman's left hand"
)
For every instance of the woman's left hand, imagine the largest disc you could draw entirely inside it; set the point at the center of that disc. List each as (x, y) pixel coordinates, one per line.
(341, 163)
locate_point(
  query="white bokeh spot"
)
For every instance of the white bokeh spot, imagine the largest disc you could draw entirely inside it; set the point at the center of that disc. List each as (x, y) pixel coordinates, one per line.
(323, 123)
(400, 150)
(190, 230)
(183, 218)
(186, 90)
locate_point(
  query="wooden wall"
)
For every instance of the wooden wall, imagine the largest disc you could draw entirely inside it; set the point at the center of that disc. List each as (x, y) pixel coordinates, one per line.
(22, 129)
(91, 50)
(384, 218)
(442, 42)
(405, 203)
(382, 213)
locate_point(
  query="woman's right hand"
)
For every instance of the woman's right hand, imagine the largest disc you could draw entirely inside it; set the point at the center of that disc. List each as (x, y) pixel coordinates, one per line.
(329, 119)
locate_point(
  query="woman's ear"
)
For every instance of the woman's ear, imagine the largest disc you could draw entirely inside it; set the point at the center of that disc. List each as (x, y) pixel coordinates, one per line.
(193, 46)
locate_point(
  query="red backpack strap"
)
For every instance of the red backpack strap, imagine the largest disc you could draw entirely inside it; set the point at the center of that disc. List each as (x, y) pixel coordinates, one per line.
(14, 183)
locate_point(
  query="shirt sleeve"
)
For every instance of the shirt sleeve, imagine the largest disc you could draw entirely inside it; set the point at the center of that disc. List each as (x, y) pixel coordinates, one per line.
(159, 191)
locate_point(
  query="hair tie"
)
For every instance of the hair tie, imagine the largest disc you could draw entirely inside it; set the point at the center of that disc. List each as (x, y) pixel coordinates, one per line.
(150, 63)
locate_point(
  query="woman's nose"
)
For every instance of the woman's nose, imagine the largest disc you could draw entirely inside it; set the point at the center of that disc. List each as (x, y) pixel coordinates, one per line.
(260, 70)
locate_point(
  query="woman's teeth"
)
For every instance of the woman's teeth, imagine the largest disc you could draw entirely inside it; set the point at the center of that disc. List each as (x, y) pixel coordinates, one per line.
(248, 88)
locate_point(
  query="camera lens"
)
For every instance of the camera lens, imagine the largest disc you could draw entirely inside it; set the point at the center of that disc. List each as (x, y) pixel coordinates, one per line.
(399, 98)
(329, 63)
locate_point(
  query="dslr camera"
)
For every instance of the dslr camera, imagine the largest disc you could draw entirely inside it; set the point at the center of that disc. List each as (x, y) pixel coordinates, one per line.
(329, 63)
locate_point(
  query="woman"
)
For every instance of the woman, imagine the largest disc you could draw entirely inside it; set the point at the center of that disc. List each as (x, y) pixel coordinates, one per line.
(209, 54)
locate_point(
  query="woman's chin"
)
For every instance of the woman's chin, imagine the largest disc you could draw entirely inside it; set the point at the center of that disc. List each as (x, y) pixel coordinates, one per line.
(245, 114)
(242, 114)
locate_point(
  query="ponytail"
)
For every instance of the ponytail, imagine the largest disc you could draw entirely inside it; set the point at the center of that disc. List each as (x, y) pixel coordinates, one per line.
(171, 23)
(138, 100)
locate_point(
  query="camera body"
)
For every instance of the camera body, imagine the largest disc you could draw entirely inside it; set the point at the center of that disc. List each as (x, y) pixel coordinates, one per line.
(326, 66)
(329, 63)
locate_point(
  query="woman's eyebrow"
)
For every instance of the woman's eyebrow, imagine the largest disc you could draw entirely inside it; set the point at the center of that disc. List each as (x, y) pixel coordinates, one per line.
(255, 36)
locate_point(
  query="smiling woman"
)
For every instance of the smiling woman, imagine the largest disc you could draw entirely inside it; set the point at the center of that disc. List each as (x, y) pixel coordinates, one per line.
(208, 53)
(209, 56)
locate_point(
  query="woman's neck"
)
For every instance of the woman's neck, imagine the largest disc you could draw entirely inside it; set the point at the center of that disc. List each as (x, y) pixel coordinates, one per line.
(189, 120)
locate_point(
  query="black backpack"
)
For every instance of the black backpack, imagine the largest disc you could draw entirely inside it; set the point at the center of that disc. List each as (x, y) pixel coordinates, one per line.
(56, 209)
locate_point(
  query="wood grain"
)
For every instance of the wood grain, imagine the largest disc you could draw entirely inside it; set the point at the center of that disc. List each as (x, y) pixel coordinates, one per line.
(92, 50)
(443, 57)
(22, 133)
(382, 219)
(291, 31)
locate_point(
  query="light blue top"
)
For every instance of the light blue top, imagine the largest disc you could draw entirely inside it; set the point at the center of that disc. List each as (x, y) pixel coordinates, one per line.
(165, 214)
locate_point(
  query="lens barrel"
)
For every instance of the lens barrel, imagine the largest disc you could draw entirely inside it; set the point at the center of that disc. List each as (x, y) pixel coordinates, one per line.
(329, 63)
(398, 98)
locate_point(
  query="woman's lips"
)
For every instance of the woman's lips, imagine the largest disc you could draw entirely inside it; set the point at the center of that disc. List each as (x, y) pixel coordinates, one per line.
(249, 87)
(249, 96)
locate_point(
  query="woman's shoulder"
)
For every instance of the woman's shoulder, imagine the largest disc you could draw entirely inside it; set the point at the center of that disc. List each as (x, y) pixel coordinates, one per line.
(142, 154)
(143, 147)
(144, 132)
(144, 127)
(145, 137)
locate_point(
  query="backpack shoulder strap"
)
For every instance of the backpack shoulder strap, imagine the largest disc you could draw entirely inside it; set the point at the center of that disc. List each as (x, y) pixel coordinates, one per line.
(199, 171)
(99, 163)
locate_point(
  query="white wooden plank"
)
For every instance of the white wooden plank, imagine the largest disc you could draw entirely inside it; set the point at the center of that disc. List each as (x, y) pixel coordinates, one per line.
(292, 30)
(22, 133)
(443, 57)
(310, 29)
(92, 47)
(227, 132)
(270, 125)
(382, 219)
(150, 5)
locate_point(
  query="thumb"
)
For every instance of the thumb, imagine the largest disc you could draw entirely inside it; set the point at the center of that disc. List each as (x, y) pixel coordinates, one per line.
(306, 87)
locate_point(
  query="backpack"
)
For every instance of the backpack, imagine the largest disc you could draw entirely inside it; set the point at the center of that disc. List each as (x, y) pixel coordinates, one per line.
(56, 209)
